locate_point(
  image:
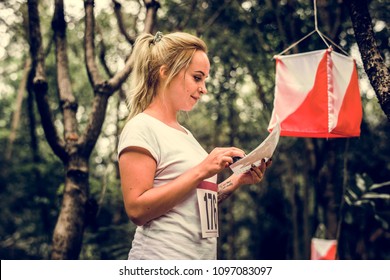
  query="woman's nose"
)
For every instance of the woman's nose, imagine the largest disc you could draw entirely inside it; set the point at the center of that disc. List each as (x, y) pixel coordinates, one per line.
(202, 90)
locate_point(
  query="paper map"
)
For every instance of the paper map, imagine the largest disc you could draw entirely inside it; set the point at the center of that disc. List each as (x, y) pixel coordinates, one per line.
(264, 151)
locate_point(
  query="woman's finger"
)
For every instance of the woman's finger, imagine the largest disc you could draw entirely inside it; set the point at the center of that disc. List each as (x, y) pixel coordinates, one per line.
(257, 171)
(234, 152)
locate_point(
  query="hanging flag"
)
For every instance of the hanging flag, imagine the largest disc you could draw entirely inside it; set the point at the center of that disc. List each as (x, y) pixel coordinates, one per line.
(323, 249)
(317, 95)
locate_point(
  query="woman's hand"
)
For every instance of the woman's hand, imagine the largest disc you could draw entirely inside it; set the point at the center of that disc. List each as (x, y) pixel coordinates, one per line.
(255, 174)
(217, 160)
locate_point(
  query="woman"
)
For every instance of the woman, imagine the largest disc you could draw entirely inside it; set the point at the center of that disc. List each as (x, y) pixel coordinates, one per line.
(169, 182)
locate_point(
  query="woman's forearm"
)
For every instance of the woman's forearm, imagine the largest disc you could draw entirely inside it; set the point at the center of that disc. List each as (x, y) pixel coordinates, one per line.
(226, 188)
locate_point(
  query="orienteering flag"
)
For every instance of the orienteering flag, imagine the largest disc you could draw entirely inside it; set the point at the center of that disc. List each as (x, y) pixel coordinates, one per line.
(317, 95)
(323, 249)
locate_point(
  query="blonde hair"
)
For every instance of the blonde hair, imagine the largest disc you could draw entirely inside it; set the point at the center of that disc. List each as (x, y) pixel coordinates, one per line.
(174, 50)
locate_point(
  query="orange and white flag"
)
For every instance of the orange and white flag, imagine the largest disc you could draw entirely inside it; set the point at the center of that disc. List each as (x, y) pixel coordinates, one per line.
(317, 95)
(323, 249)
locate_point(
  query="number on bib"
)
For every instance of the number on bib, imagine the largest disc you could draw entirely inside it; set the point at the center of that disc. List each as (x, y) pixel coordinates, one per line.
(208, 207)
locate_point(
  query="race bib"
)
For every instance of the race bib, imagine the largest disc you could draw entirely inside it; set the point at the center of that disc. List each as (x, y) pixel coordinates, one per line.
(208, 207)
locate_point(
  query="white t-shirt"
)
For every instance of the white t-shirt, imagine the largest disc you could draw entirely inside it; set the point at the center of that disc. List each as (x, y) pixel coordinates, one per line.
(176, 234)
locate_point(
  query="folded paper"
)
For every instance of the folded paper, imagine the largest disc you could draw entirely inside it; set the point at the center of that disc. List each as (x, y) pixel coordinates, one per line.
(262, 152)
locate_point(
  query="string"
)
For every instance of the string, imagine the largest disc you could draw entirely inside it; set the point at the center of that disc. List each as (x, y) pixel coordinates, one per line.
(316, 23)
(316, 30)
(296, 43)
(340, 48)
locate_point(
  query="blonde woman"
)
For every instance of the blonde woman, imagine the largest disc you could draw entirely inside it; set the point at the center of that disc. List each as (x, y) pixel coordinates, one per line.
(169, 182)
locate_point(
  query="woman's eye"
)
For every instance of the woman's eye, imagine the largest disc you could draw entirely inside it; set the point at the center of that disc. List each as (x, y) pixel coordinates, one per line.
(197, 78)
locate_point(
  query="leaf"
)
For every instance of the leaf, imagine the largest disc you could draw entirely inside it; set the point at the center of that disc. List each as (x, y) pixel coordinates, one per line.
(381, 187)
(373, 200)
(373, 195)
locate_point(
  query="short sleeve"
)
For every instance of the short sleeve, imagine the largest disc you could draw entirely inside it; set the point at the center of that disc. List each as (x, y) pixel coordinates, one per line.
(137, 133)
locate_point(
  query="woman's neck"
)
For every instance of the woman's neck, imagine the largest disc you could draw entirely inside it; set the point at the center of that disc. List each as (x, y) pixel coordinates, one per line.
(163, 113)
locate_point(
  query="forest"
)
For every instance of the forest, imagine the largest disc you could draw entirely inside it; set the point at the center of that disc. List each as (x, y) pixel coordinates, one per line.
(63, 81)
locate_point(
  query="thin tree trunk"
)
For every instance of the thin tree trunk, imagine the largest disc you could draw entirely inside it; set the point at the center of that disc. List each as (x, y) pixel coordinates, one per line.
(18, 109)
(306, 219)
(342, 204)
(232, 123)
(374, 64)
(310, 173)
(292, 191)
(331, 195)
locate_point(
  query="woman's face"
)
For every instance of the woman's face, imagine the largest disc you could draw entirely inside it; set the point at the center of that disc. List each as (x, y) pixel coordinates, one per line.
(187, 87)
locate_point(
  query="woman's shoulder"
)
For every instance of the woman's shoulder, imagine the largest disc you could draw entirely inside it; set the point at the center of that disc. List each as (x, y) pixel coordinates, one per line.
(139, 121)
(139, 132)
(137, 126)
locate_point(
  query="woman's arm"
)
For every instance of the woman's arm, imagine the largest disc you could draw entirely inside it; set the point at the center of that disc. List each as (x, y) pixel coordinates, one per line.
(142, 201)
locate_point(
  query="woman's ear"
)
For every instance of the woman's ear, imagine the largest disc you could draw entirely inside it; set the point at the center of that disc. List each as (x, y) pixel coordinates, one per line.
(163, 72)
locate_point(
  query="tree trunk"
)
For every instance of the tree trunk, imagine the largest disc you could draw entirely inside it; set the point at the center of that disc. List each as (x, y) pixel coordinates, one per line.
(68, 233)
(18, 109)
(311, 171)
(233, 124)
(73, 149)
(330, 195)
(296, 252)
(374, 65)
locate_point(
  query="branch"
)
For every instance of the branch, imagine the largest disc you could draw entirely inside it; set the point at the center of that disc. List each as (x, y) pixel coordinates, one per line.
(102, 55)
(95, 123)
(116, 81)
(93, 72)
(121, 25)
(103, 89)
(102, 92)
(374, 65)
(107, 87)
(214, 17)
(151, 12)
(39, 82)
(67, 100)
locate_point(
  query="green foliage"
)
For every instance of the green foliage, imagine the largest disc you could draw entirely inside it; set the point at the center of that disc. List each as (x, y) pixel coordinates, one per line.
(366, 218)
(30, 204)
(374, 199)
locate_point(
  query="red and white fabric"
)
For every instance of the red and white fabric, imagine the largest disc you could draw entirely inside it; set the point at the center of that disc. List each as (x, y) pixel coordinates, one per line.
(317, 95)
(323, 249)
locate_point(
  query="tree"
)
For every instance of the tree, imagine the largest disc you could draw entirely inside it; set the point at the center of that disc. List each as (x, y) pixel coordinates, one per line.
(74, 148)
(374, 64)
